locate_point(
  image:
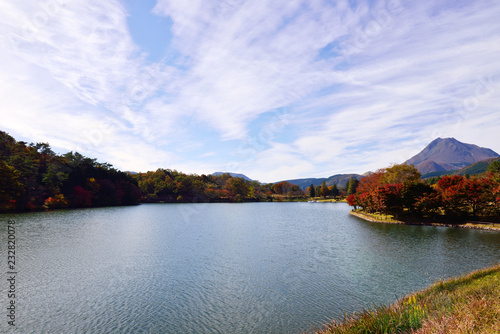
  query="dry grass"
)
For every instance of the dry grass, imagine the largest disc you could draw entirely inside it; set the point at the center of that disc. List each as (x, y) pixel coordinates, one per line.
(468, 304)
(495, 226)
(382, 218)
(328, 199)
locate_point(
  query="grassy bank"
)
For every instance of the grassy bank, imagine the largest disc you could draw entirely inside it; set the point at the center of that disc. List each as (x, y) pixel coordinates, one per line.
(376, 217)
(327, 200)
(467, 304)
(389, 219)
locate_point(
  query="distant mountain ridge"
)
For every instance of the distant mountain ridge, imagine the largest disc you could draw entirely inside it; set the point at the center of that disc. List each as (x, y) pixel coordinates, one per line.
(233, 175)
(474, 169)
(339, 179)
(442, 156)
(448, 154)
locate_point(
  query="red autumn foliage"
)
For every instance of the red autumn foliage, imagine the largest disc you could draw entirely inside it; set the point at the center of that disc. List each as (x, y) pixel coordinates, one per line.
(370, 183)
(81, 197)
(453, 195)
(351, 200)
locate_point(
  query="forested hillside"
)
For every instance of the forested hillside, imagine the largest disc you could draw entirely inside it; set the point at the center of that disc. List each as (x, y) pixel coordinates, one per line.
(33, 177)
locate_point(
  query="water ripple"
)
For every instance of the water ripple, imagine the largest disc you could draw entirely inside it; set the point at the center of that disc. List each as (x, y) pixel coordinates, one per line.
(240, 268)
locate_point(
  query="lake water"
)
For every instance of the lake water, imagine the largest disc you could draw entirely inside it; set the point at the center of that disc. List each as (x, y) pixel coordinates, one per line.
(220, 268)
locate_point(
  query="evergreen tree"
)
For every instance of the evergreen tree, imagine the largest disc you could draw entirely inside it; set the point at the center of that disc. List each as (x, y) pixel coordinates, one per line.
(312, 191)
(334, 191)
(352, 185)
(323, 191)
(346, 188)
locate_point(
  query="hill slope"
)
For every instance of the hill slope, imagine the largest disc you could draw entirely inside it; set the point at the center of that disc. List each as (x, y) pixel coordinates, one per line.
(446, 154)
(339, 179)
(244, 177)
(474, 169)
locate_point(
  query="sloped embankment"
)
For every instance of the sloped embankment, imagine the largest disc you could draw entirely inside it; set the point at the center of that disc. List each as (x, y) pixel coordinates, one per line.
(467, 304)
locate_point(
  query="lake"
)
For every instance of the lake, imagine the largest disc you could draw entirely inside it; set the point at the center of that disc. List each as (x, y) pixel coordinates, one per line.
(220, 268)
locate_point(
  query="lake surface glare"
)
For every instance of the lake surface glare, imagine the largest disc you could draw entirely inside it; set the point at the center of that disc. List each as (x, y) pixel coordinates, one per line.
(221, 268)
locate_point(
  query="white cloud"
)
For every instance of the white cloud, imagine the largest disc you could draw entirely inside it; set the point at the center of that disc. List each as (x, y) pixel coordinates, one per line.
(73, 76)
(249, 63)
(364, 86)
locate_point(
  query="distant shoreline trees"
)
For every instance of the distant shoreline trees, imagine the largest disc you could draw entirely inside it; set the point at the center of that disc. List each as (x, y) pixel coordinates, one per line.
(324, 191)
(33, 177)
(311, 191)
(171, 186)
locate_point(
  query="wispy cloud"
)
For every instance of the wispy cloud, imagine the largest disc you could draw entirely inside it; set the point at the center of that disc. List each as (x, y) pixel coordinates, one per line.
(363, 85)
(405, 80)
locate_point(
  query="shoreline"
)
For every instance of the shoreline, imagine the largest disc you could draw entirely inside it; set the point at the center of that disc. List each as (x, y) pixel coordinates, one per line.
(371, 219)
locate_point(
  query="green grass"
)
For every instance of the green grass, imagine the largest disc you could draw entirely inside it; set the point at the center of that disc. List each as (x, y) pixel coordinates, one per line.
(467, 304)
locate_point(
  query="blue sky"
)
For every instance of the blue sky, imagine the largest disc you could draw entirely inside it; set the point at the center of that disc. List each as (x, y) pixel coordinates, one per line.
(271, 89)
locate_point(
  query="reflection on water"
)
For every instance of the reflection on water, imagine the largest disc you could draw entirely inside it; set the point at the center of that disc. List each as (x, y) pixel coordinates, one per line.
(222, 268)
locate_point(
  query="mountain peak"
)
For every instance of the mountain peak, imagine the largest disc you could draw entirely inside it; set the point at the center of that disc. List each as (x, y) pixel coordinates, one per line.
(444, 154)
(440, 140)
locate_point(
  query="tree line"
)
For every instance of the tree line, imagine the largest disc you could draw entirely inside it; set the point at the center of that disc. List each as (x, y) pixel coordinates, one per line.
(399, 191)
(333, 191)
(171, 186)
(33, 177)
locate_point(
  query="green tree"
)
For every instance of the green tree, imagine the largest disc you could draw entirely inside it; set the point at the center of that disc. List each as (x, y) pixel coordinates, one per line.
(311, 191)
(295, 191)
(352, 186)
(402, 173)
(494, 170)
(494, 167)
(10, 187)
(238, 188)
(323, 190)
(55, 175)
(334, 191)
